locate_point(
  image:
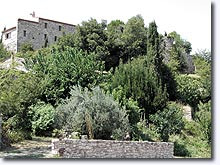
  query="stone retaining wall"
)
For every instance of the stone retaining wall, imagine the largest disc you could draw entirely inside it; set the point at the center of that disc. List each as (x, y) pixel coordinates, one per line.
(72, 148)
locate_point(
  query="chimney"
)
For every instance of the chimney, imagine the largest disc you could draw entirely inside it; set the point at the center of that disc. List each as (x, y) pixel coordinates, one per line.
(33, 14)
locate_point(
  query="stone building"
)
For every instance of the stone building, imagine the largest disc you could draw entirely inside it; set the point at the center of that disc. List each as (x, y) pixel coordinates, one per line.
(39, 33)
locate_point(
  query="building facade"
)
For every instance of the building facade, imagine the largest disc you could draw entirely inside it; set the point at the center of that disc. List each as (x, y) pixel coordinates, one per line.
(40, 33)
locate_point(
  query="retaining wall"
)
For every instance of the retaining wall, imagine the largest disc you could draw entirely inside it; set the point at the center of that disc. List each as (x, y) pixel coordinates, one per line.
(72, 148)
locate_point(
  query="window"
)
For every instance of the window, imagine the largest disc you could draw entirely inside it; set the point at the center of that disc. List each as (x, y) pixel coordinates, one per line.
(25, 33)
(55, 38)
(8, 35)
(45, 25)
(45, 36)
(60, 28)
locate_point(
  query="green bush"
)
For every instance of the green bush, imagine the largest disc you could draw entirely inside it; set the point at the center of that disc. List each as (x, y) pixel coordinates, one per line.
(26, 47)
(192, 128)
(169, 120)
(190, 89)
(190, 146)
(142, 132)
(4, 54)
(130, 105)
(42, 119)
(93, 113)
(15, 136)
(58, 133)
(203, 117)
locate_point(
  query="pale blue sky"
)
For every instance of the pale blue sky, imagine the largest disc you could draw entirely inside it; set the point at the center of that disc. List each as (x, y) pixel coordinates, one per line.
(190, 18)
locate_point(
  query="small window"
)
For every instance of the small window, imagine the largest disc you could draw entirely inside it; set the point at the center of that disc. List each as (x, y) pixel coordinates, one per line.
(45, 25)
(8, 35)
(45, 36)
(60, 27)
(55, 38)
(25, 33)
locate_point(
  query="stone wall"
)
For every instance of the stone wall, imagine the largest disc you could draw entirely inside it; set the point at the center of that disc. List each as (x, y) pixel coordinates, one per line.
(72, 148)
(37, 33)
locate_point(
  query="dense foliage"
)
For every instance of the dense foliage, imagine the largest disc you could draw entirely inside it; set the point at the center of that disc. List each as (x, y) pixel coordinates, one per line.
(93, 113)
(18, 92)
(60, 69)
(109, 81)
(140, 83)
(26, 47)
(169, 121)
(4, 54)
(42, 119)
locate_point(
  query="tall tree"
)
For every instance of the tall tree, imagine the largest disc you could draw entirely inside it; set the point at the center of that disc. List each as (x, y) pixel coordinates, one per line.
(114, 43)
(154, 56)
(135, 38)
(91, 37)
(140, 83)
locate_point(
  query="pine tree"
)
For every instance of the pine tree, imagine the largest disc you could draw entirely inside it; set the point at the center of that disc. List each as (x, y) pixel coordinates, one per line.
(154, 56)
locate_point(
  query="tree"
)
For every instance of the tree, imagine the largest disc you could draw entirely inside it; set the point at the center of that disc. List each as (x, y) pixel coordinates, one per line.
(61, 69)
(168, 121)
(18, 91)
(91, 37)
(135, 38)
(204, 54)
(114, 43)
(154, 57)
(66, 40)
(180, 52)
(190, 90)
(140, 83)
(93, 113)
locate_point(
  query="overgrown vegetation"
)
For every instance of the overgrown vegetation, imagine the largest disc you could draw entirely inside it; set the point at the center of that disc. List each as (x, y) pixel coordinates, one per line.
(108, 81)
(93, 113)
(4, 54)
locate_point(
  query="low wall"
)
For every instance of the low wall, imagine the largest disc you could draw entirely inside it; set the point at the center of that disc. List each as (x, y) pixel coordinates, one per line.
(72, 148)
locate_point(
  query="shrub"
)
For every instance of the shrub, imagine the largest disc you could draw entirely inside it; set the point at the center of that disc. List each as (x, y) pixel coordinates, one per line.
(168, 121)
(4, 54)
(93, 113)
(143, 132)
(26, 47)
(42, 119)
(11, 133)
(192, 128)
(58, 133)
(190, 89)
(203, 117)
(130, 105)
(15, 136)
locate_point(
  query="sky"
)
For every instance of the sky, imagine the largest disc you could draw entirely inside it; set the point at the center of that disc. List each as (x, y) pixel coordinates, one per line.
(190, 18)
